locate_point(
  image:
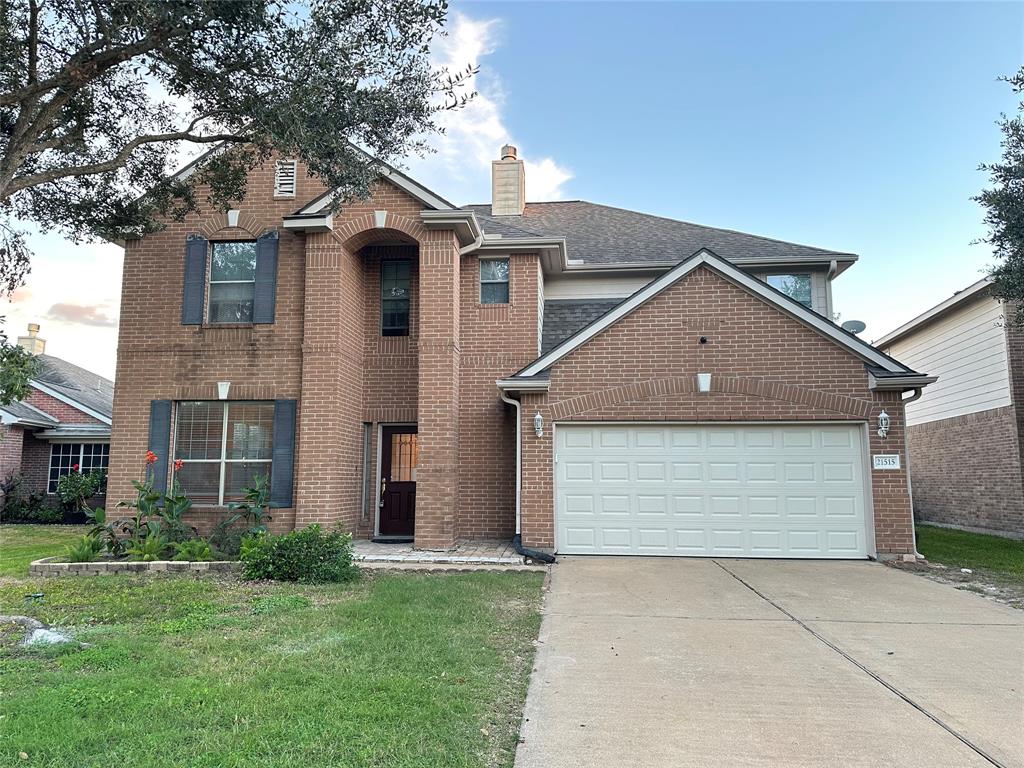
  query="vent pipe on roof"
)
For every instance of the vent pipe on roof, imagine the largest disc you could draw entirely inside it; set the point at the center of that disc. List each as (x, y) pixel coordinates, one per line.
(32, 343)
(508, 184)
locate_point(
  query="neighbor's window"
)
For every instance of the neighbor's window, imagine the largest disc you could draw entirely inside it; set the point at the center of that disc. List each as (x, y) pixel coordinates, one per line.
(222, 446)
(494, 281)
(394, 298)
(797, 287)
(232, 282)
(88, 457)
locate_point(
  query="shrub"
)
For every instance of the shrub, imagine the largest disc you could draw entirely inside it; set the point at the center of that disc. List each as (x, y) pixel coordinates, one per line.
(192, 550)
(85, 551)
(33, 508)
(309, 556)
(248, 518)
(76, 488)
(152, 547)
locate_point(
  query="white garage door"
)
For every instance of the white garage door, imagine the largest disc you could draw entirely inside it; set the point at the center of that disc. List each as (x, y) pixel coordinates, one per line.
(724, 491)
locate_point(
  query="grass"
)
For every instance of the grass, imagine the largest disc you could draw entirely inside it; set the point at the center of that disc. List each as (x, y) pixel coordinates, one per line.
(395, 670)
(961, 549)
(21, 544)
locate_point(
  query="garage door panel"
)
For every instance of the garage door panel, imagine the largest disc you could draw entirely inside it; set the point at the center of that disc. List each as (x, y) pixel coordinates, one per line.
(756, 491)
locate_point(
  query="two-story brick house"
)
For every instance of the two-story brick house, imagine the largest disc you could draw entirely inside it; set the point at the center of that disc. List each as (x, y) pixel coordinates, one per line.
(600, 380)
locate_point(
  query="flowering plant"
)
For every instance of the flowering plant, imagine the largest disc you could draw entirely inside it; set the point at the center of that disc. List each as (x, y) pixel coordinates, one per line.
(76, 488)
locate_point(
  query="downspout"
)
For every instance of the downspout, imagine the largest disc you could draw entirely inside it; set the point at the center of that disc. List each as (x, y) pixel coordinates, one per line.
(918, 391)
(517, 540)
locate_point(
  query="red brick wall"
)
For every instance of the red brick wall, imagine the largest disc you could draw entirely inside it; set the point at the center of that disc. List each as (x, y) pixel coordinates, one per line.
(64, 413)
(966, 471)
(35, 464)
(764, 366)
(11, 438)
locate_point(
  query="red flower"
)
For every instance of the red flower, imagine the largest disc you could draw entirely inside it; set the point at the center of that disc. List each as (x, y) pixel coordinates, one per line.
(74, 467)
(178, 464)
(150, 457)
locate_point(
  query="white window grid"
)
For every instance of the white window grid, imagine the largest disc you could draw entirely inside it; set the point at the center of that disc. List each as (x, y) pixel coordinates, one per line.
(224, 460)
(505, 281)
(88, 457)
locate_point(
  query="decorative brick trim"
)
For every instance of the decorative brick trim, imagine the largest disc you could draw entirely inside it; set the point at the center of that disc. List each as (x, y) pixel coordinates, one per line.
(51, 566)
(217, 224)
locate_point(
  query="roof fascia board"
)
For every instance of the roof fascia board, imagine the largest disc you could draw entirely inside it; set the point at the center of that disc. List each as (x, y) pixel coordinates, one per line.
(72, 433)
(463, 222)
(935, 312)
(523, 385)
(661, 266)
(70, 401)
(309, 223)
(900, 382)
(705, 257)
(9, 419)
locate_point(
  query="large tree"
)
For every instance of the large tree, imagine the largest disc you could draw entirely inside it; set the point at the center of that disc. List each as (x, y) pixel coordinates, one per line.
(98, 98)
(1004, 204)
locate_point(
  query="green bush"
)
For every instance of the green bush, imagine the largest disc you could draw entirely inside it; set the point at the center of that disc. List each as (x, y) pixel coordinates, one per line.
(85, 551)
(31, 508)
(192, 550)
(310, 556)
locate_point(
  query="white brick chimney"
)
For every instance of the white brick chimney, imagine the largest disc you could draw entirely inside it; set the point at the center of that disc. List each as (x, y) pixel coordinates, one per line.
(32, 342)
(508, 184)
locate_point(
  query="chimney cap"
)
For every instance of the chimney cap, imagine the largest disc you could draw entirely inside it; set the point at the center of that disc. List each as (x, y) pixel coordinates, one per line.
(508, 152)
(33, 329)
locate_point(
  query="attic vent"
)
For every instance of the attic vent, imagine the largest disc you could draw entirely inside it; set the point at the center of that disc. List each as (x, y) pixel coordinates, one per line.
(284, 178)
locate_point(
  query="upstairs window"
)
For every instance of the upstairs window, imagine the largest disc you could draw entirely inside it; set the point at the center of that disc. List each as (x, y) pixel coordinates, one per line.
(284, 178)
(222, 446)
(232, 282)
(797, 287)
(86, 457)
(394, 298)
(494, 281)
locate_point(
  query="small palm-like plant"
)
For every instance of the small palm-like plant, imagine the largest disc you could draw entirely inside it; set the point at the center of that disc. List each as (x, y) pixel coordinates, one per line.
(86, 550)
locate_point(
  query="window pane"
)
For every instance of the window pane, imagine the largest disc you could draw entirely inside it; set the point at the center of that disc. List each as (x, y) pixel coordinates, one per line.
(201, 481)
(63, 456)
(494, 293)
(199, 430)
(233, 261)
(394, 298)
(231, 302)
(795, 286)
(239, 474)
(405, 454)
(496, 269)
(250, 430)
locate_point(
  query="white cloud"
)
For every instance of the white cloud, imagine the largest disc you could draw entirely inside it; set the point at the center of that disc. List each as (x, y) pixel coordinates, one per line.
(474, 135)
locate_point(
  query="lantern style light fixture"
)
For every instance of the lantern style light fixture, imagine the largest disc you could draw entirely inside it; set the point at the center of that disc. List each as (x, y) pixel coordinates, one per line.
(883, 424)
(538, 424)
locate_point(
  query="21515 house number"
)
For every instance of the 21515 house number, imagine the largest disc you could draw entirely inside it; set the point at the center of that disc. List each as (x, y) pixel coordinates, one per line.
(886, 461)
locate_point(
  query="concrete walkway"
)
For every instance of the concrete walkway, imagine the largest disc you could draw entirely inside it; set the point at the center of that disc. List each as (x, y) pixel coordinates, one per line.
(693, 662)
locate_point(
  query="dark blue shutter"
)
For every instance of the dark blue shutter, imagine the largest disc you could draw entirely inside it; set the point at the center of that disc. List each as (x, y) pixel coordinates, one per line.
(194, 296)
(160, 441)
(283, 471)
(266, 278)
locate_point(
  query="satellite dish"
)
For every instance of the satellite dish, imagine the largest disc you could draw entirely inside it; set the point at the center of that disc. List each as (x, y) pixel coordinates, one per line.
(854, 326)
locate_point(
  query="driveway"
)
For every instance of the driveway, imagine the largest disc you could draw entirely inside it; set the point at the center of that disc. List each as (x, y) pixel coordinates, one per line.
(693, 662)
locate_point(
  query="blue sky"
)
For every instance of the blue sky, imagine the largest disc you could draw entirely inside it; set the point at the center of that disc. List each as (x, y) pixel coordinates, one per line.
(853, 126)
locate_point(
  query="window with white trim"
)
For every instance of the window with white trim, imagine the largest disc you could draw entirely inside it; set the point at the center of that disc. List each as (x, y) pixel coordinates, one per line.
(222, 446)
(797, 287)
(232, 281)
(284, 178)
(66, 458)
(494, 281)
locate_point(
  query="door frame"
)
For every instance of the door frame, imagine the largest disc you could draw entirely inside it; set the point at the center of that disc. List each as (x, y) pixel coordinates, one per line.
(863, 426)
(376, 474)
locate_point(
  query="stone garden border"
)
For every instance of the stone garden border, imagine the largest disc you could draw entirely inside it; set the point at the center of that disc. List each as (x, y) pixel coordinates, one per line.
(51, 566)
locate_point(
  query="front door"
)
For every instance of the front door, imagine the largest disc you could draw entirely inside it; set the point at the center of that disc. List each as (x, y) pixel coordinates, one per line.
(399, 453)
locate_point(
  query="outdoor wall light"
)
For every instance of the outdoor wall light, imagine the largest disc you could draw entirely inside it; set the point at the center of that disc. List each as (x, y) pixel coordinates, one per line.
(538, 424)
(883, 424)
(703, 382)
(222, 389)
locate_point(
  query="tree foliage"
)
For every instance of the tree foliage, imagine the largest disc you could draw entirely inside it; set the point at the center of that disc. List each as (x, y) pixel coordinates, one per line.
(99, 98)
(17, 367)
(1004, 204)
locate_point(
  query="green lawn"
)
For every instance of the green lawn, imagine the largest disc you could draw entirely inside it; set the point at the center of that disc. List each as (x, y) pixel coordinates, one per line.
(960, 549)
(397, 670)
(21, 544)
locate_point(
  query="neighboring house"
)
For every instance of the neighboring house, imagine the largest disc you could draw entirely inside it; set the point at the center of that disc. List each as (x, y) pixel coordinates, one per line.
(407, 368)
(63, 422)
(966, 433)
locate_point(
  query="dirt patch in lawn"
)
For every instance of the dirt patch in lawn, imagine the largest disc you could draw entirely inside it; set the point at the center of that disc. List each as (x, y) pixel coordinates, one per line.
(994, 586)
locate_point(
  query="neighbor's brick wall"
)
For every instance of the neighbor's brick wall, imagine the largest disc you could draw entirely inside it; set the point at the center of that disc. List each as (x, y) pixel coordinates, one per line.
(965, 471)
(1015, 364)
(35, 464)
(64, 413)
(764, 366)
(11, 439)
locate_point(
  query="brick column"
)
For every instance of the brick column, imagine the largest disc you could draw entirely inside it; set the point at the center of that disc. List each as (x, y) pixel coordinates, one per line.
(437, 475)
(329, 461)
(537, 504)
